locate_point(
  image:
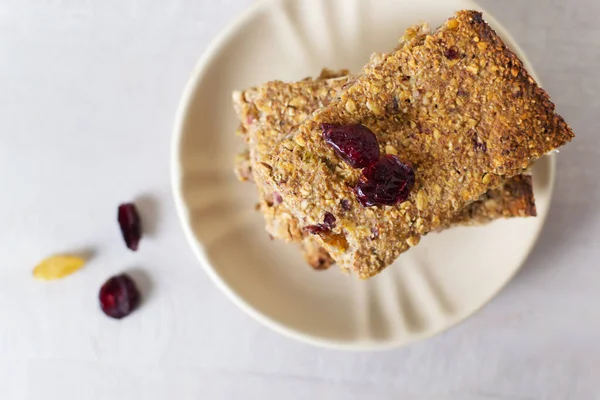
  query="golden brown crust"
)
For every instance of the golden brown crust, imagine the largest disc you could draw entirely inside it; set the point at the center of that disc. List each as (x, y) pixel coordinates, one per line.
(458, 106)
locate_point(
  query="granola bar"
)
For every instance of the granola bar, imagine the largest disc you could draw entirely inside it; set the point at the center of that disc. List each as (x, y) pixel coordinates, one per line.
(457, 105)
(267, 113)
(514, 199)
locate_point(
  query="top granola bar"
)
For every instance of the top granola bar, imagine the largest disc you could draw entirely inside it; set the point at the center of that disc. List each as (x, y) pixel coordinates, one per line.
(268, 112)
(458, 105)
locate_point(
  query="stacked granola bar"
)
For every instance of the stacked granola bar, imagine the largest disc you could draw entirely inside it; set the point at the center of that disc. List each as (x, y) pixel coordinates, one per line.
(454, 115)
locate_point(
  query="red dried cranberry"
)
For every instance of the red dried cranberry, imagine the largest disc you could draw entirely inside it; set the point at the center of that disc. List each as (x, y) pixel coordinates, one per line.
(452, 53)
(131, 225)
(387, 182)
(356, 144)
(119, 296)
(329, 219)
(327, 225)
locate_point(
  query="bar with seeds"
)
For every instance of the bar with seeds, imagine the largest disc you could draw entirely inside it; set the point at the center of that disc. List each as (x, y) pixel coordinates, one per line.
(268, 112)
(457, 106)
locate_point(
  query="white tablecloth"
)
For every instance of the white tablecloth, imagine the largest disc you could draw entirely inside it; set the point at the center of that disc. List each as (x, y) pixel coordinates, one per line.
(88, 91)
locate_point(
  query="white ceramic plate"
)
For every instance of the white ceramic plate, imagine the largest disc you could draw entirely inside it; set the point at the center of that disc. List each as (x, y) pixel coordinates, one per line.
(430, 288)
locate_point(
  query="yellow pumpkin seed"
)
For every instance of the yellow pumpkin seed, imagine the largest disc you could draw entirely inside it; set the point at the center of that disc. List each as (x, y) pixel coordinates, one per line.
(57, 267)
